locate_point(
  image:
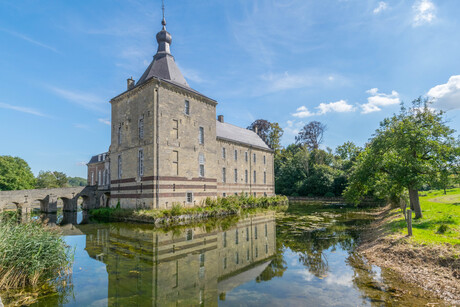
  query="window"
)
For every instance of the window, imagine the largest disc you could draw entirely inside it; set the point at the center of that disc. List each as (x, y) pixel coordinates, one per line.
(237, 258)
(224, 179)
(255, 180)
(257, 252)
(189, 235)
(119, 135)
(225, 239)
(236, 175)
(246, 156)
(141, 162)
(247, 233)
(225, 262)
(224, 194)
(255, 232)
(175, 129)
(141, 128)
(236, 155)
(99, 158)
(236, 236)
(201, 136)
(254, 158)
(247, 254)
(175, 162)
(266, 248)
(201, 260)
(265, 160)
(119, 166)
(224, 154)
(255, 194)
(92, 178)
(201, 164)
(265, 177)
(189, 197)
(246, 176)
(266, 230)
(187, 108)
(99, 178)
(106, 175)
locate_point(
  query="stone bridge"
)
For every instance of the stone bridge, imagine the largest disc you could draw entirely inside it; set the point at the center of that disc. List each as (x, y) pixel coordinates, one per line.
(90, 197)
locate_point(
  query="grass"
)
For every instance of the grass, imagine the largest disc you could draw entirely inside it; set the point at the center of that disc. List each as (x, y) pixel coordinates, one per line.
(32, 254)
(211, 207)
(441, 219)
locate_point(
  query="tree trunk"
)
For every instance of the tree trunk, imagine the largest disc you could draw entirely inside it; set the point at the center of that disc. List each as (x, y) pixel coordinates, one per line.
(415, 203)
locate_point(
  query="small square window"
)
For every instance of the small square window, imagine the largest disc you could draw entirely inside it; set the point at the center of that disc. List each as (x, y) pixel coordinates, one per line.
(189, 197)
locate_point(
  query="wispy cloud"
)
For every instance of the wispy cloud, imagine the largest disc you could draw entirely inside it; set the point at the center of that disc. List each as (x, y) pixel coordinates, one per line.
(191, 74)
(104, 121)
(378, 100)
(340, 106)
(424, 12)
(81, 126)
(447, 95)
(286, 81)
(381, 7)
(86, 100)
(30, 40)
(81, 163)
(22, 109)
(293, 127)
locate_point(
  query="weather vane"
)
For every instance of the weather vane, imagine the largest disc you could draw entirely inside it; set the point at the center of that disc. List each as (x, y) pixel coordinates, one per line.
(163, 22)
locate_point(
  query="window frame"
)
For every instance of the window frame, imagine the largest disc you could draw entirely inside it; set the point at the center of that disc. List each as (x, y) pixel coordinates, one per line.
(187, 107)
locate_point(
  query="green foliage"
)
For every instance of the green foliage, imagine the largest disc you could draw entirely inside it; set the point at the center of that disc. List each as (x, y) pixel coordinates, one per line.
(76, 181)
(271, 133)
(32, 254)
(51, 180)
(15, 174)
(407, 151)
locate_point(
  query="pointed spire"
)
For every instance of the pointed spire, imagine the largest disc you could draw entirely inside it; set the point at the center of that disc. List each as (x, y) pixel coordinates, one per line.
(163, 65)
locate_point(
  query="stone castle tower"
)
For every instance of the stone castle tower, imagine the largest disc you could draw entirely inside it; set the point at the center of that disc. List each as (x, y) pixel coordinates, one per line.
(167, 146)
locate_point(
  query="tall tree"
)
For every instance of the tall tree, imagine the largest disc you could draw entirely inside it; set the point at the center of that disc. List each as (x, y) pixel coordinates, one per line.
(311, 135)
(15, 174)
(271, 133)
(407, 151)
(51, 180)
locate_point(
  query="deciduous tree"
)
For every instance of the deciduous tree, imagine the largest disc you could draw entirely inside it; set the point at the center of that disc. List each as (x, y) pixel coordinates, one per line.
(15, 174)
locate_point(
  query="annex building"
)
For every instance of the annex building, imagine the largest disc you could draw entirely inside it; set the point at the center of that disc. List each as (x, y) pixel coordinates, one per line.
(167, 146)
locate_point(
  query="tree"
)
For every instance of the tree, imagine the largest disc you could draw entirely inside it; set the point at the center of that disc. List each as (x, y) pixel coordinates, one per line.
(271, 133)
(77, 181)
(15, 174)
(51, 180)
(407, 151)
(311, 135)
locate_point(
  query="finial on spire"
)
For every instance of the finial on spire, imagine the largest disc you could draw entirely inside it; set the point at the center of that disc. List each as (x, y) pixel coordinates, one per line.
(163, 22)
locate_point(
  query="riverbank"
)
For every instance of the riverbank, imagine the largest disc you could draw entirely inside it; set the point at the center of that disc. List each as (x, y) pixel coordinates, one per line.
(431, 257)
(180, 215)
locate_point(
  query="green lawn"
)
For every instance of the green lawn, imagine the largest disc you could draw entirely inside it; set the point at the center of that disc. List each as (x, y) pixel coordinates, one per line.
(441, 218)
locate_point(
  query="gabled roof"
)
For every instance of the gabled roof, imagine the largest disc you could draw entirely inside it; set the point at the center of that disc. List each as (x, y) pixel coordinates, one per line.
(233, 133)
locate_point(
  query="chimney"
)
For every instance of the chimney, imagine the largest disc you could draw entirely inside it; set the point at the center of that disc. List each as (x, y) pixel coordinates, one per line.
(220, 118)
(130, 83)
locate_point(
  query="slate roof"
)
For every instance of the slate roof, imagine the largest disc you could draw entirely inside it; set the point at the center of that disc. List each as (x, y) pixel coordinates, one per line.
(233, 133)
(95, 159)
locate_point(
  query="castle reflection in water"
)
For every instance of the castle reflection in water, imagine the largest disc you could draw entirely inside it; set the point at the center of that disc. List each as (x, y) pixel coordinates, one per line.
(189, 266)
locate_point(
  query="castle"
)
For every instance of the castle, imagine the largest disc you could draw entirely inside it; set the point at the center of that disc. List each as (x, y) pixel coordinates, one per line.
(167, 146)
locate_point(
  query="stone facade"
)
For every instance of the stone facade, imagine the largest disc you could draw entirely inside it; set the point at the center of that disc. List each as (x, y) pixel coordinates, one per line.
(99, 171)
(166, 145)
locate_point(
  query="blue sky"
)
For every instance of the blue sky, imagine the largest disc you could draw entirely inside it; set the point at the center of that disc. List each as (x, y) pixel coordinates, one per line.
(346, 63)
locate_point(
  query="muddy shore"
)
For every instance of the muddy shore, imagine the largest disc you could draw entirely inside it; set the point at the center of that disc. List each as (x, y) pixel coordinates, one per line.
(435, 268)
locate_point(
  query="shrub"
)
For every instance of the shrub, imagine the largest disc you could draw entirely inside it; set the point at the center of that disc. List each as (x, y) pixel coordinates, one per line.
(329, 194)
(32, 254)
(176, 209)
(442, 229)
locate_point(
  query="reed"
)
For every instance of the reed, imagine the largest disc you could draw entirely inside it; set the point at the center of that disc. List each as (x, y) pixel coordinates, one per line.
(31, 254)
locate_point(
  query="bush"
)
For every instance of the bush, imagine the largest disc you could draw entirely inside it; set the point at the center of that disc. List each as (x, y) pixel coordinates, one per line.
(442, 229)
(329, 194)
(32, 254)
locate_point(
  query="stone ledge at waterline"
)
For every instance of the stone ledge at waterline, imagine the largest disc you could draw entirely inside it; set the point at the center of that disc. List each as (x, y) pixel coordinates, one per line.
(179, 215)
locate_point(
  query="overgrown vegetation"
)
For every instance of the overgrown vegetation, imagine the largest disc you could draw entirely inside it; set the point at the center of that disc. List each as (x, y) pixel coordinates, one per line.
(210, 207)
(441, 221)
(32, 254)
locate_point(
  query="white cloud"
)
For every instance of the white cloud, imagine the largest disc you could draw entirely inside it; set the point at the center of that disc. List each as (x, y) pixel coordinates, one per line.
(303, 112)
(81, 126)
(22, 109)
(340, 106)
(191, 74)
(104, 121)
(287, 81)
(378, 100)
(447, 96)
(30, 40)
(424, 11)
(86, 100)
(293, 127)
(381, 7)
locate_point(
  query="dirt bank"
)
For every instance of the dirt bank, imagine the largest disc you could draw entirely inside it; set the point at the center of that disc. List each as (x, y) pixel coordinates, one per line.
(435, 268)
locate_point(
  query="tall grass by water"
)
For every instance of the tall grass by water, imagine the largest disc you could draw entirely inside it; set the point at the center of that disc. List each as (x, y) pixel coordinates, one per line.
(31, 254)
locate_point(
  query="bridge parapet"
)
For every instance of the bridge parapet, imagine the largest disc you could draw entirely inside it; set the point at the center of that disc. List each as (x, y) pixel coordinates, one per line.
(48, 198)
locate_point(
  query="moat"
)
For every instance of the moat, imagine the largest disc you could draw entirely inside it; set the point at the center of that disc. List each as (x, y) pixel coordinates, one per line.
(301, 257)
